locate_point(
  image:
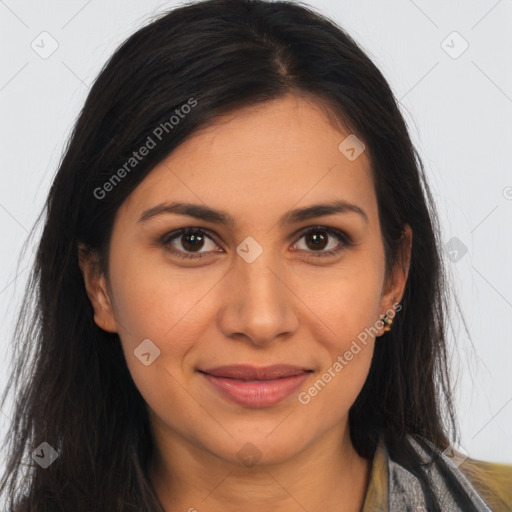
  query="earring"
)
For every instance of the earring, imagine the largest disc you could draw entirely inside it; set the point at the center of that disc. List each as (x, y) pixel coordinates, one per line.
(387, 322)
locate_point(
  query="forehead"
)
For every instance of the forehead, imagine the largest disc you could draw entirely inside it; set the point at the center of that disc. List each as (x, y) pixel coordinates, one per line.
(261, 159)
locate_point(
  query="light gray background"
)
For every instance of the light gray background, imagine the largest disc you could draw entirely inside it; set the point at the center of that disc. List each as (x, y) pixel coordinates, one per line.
(458, 111)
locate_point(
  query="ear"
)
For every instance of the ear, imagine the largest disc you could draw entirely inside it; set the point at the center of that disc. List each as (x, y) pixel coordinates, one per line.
(395, 284)
(96, 288)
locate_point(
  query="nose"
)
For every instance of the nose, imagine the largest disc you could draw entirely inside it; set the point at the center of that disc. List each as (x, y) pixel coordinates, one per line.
(259, 305)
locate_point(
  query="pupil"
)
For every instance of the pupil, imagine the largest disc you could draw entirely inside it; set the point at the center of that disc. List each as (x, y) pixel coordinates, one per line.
(318, 241)
(192, 241)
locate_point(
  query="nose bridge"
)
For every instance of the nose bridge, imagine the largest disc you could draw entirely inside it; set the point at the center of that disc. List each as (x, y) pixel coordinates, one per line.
(260, 279)
(257, 264)
(258, 303)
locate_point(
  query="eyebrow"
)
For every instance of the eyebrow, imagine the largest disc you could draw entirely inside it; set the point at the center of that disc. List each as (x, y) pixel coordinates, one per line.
(219, 217)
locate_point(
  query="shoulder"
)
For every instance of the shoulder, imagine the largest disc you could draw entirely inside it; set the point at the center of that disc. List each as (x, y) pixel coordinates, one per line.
(492, 481)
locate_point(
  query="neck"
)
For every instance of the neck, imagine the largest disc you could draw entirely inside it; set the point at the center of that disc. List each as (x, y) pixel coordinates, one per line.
(327, 475)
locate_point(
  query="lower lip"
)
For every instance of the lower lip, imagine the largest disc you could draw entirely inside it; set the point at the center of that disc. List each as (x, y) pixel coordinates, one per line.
(257, 393)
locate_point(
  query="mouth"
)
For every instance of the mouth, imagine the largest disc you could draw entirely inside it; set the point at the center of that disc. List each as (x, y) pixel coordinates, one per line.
(251, 386)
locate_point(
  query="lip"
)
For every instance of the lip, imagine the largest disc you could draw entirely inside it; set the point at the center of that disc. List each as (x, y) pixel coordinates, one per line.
(251, 386)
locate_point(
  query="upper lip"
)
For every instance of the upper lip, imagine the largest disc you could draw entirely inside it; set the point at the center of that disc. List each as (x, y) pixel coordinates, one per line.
(248, 372)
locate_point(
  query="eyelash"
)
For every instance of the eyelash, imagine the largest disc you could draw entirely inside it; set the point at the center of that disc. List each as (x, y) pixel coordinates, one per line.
(345, 240)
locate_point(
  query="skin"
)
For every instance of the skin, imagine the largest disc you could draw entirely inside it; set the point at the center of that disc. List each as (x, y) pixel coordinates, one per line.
(284, 307)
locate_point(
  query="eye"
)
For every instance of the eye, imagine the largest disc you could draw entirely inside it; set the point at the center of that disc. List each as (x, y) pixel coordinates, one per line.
(318, 238)
(189, 242)
(187, 239)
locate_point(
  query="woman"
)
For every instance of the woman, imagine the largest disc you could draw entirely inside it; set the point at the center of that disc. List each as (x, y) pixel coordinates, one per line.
(239, 297)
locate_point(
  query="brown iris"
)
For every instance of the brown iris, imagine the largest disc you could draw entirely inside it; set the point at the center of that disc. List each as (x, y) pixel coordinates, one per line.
(192, 241)
(318, 240)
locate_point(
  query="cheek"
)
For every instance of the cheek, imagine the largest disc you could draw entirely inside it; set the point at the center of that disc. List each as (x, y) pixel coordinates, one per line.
(153, 300)
(345, 306)
(347, 351)
(345, 298)
(152, 304)
(335, 388)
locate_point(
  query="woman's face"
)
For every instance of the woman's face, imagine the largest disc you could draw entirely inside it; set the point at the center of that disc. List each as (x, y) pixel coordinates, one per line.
(255, 291)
